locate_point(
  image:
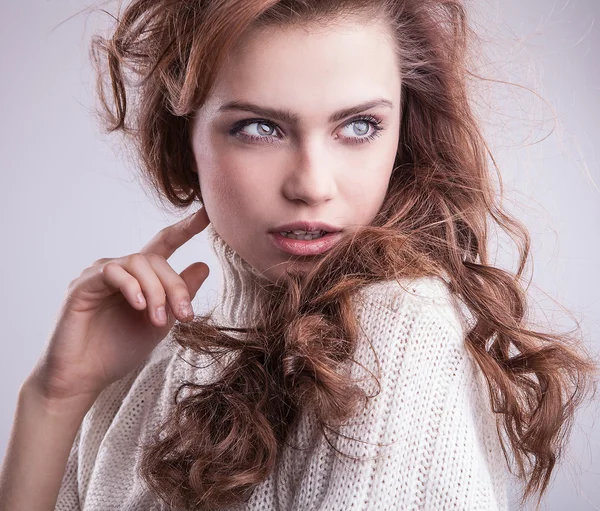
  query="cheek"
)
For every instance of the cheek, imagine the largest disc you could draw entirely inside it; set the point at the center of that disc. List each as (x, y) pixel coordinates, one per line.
(238, 175)
(369, 176)
(366, 182)
(236, 182)
(367, 193)
(220, 170)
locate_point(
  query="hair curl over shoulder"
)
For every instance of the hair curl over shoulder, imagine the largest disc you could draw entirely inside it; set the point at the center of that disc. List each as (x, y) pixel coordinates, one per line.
(435, 220)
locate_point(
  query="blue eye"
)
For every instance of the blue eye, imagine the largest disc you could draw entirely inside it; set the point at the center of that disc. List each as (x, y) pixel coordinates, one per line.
(366, 121)
(265, 129)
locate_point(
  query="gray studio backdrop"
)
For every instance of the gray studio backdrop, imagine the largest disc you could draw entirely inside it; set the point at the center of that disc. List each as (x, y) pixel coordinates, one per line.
(69, 197)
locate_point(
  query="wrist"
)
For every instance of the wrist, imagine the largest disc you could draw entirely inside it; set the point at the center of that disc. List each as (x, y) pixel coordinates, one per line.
(77, 405)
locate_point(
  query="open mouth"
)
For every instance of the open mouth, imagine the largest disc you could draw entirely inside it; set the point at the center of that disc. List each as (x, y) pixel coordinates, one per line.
(305, 236)
(305, 244)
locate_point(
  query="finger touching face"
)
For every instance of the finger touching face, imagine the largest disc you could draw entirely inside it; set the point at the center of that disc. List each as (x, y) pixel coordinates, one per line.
(302, 125)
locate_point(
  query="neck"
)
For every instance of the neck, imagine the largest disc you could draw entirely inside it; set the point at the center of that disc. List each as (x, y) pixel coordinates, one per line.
(241, 285)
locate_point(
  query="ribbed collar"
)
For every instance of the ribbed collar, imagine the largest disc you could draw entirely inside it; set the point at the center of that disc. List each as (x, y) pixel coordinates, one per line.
(241, 286)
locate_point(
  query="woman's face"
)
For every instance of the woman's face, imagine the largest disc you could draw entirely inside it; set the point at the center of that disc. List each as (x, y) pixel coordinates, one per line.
(321, 162)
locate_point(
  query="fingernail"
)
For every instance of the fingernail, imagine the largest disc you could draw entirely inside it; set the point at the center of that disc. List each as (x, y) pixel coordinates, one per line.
(185, 309)
(161, 314)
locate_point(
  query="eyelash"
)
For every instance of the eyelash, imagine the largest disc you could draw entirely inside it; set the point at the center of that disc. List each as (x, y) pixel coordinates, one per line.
(236, 129)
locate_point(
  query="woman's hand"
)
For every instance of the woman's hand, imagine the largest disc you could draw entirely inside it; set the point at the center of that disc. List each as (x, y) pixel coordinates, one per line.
(102, 331)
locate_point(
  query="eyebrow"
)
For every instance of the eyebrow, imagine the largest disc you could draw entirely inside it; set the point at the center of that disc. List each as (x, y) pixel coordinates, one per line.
(292, 118)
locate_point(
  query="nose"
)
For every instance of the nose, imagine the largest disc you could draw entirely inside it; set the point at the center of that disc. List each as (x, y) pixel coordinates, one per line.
(311, 178)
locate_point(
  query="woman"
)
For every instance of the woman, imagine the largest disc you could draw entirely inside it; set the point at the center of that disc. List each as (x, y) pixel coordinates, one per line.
(364, 351)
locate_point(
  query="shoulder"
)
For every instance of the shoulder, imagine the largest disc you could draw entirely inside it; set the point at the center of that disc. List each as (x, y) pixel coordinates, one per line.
(416, 303)
(414, 327)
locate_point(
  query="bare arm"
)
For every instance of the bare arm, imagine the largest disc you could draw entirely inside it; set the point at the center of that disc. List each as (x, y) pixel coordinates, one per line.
(102, 333)
(41, 438)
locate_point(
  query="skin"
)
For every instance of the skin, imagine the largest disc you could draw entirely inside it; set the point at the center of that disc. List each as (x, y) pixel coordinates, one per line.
(312, 169)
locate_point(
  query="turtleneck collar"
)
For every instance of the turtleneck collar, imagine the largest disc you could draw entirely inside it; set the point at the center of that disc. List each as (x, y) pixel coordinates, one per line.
(240, 287)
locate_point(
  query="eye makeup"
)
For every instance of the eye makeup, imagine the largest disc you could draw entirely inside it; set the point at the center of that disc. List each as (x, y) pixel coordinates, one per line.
(373, 121)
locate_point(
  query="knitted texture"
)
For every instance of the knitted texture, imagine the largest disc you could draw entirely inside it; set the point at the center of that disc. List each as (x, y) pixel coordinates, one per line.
(427, 441)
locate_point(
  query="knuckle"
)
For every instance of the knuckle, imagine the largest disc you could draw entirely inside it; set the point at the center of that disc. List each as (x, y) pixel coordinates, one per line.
(166, 239)
(135, 259)
(82, 277)
(152, 257)
(108, 267)
(101, 261)
(73, 284)
(181, 292)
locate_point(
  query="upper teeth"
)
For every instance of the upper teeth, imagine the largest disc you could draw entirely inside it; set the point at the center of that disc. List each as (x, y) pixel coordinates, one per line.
(300, 233)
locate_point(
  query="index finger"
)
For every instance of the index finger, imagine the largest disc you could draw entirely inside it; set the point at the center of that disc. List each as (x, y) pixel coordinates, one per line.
(170, 238)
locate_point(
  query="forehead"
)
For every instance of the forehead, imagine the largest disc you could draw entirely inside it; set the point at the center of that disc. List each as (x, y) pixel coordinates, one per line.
(305, 68)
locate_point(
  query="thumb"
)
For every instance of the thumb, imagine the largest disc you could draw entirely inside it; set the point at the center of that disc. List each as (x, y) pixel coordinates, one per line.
(194, 276)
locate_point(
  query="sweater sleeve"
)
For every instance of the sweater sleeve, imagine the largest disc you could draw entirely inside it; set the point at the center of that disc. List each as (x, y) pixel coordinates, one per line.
(84, 450)
(81, 469)
(428, 439)
(68, 496)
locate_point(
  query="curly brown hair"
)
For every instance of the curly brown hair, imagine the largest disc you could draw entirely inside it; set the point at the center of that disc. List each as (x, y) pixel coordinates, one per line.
(435, 221)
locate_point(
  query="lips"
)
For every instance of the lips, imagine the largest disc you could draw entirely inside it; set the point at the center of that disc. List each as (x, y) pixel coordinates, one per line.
(305, 247)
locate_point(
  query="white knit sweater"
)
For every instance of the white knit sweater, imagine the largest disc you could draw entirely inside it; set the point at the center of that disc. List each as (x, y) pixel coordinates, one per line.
(433, 411)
